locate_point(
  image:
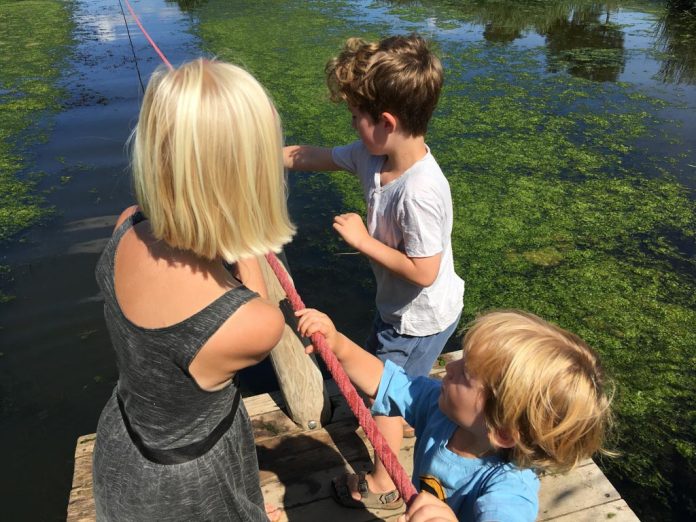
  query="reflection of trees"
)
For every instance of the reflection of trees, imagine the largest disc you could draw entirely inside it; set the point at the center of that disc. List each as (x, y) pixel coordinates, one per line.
(500, 33)
(675, 33)
(578, 33)
(187, 5)
(506, 20)
(588, 44)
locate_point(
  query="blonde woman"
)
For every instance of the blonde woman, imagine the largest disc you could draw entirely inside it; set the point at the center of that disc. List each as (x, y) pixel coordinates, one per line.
(184, 299)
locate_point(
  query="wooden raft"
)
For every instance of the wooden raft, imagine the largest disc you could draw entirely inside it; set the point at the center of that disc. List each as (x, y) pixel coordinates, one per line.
(296, 467)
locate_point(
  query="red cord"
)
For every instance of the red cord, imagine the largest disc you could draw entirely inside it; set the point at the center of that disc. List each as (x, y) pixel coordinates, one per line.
(152, 43)
(355, 403)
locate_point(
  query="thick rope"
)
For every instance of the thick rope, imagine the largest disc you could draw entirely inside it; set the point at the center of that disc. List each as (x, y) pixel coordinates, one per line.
(355, 403)
(382, 450)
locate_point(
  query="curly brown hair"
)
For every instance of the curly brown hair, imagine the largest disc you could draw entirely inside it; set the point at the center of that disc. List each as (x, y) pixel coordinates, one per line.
(399, 75)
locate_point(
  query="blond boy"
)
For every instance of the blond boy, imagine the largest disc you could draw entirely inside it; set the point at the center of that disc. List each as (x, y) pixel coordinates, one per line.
(526, 397)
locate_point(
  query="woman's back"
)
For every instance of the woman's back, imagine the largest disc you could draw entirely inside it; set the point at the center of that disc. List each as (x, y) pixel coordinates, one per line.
(160, 328)
(160, 401)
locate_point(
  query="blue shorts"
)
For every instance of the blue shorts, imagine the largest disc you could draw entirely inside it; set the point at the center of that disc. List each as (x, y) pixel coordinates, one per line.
(416, 355)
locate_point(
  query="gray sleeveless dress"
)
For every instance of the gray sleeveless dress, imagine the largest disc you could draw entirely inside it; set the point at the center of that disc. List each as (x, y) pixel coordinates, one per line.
(167, 409)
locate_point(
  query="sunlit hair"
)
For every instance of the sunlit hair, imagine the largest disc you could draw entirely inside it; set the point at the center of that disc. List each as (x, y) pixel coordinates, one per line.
(399, 75)
(544, 388)
(207, 162)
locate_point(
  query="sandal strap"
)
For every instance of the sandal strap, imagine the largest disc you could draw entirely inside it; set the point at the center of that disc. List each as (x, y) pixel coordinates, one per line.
(363, 488)
(388, 498)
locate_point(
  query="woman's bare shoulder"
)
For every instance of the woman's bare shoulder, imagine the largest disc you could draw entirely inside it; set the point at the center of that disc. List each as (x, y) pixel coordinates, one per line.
(260, 324)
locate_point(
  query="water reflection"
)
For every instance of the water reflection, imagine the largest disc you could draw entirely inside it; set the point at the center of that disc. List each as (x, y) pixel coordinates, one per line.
(500, 33)
(675, 35)
(580, 35)
(587, 44)
(187, 6)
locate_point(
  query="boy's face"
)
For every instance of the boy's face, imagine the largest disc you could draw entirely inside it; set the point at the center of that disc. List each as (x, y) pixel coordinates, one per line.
(371, 133)
(462, 399)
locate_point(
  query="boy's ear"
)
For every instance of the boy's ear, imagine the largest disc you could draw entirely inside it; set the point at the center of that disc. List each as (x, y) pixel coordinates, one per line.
(502, 438)
(389, 120)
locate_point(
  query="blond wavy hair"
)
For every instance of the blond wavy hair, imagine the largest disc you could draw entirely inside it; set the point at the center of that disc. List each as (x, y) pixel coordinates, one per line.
(207, 162)
(544, 388)
(399, 75)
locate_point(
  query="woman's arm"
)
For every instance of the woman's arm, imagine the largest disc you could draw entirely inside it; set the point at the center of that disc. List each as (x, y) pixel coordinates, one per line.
(245, 339)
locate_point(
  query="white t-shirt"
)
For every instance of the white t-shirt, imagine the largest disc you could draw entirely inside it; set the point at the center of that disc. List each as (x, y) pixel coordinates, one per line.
(412, 214)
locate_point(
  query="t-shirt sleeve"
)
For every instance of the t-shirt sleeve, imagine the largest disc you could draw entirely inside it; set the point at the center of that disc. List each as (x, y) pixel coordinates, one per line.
(399, 395)
(422, 221)
(509, 497)
(350, 157)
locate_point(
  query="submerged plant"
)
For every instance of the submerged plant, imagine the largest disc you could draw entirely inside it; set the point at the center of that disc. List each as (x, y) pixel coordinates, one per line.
(560, 209)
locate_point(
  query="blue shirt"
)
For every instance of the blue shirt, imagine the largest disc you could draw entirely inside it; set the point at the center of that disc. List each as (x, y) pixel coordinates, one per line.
(477, 489)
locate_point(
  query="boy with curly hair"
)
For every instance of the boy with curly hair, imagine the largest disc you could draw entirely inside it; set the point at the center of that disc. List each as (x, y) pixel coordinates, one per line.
(391, 88)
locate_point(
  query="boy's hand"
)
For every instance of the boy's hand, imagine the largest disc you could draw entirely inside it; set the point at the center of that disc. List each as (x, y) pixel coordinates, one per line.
(313, 321)
(428, 508)
(352, 229)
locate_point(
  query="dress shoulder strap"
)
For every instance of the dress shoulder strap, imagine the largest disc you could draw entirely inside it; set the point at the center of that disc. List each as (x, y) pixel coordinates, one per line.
(105, 265)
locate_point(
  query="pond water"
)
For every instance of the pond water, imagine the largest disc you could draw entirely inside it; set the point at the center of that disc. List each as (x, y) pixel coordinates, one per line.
(567, 130)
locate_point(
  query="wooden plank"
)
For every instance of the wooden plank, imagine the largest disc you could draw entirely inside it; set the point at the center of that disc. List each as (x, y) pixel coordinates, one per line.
(299, 377)
(264, 403)
(614, 511)
(312, 482)
(81, 503)
(327, 509)
(296, 468)
(579, 489)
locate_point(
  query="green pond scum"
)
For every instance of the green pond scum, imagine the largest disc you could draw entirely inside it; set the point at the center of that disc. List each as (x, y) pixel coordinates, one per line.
(34, 39)
(560, 208)
(564, 205)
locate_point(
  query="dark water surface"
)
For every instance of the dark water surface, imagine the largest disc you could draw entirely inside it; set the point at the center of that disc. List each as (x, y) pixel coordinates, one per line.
(567, 130)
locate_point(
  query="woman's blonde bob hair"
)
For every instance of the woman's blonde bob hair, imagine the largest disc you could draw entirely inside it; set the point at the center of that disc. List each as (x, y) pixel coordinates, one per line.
(207, 162)
(544, 388)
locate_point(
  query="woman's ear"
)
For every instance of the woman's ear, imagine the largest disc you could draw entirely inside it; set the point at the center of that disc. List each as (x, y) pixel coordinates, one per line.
(389, 120)
(502, 438)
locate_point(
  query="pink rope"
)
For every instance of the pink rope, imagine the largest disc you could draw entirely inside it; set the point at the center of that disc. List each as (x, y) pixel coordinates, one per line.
(152, 43)
(355, 403)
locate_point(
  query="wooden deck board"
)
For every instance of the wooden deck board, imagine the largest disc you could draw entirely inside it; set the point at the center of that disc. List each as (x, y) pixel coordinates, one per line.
(296, 467)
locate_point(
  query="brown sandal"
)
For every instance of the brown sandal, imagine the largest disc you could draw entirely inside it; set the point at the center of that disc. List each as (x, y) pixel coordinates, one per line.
(368, 499)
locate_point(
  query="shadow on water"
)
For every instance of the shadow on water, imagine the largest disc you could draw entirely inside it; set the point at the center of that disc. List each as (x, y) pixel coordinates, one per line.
(676, 38)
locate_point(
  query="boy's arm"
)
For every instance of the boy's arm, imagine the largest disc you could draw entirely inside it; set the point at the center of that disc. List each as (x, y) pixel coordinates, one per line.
(421, 271)
(308, 158)
(364, 369)
(428, 508)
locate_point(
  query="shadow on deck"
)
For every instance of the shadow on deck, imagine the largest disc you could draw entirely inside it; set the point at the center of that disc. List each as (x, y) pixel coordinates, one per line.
(296, 467)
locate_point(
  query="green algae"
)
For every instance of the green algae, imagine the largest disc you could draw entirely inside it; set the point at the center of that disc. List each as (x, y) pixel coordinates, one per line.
(33, 40)
(559, 207)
